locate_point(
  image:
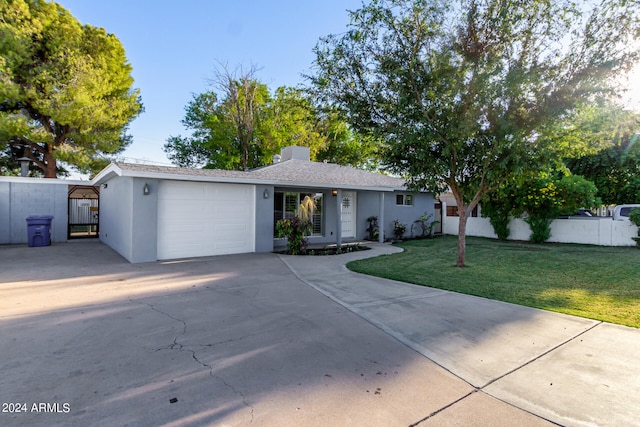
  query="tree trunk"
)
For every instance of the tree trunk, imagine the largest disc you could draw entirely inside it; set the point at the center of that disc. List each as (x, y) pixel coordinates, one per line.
(49, 165)
(462, 235)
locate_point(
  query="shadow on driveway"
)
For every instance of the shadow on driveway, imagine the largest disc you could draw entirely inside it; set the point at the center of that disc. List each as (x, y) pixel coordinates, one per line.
(233, 340)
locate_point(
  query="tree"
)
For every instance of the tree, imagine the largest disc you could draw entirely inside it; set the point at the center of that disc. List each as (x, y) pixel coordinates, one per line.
(219, 139)
(288, 117)
(213, 143)
(344, 145)
(460, 93)
(242, 95)
(65, 88)
(615, 166)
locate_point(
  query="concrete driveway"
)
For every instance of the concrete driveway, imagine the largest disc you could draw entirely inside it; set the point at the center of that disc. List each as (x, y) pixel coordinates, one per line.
(262, 339)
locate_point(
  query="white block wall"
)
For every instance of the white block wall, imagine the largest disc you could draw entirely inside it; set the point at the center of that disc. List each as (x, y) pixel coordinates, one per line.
(590, 231)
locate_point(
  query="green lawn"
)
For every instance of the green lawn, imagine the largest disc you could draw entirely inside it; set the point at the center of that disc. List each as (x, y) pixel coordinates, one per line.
(597, 282)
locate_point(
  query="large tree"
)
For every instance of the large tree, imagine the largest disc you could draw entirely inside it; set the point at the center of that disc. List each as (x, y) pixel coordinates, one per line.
(66, 88)
(212, 143)
(242, 97)
(461, 91)
(286, 117)
(615, 166)
(615, 171)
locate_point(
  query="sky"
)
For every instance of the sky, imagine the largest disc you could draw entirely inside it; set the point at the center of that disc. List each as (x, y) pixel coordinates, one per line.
(175, 46)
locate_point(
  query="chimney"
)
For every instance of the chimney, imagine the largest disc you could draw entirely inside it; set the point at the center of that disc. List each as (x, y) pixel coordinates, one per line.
(299, 153)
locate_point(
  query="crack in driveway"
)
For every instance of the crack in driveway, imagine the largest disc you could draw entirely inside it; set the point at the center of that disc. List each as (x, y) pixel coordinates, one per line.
(176, 345)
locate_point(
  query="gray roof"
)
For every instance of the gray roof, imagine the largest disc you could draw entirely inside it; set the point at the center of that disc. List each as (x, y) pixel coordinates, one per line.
(297, 171)
(294, 172)
(172, 170)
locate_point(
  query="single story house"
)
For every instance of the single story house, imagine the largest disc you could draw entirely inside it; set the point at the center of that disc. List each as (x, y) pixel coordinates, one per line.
(150, 213)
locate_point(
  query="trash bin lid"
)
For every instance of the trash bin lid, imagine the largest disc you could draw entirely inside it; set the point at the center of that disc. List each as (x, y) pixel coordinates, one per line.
(39, 217)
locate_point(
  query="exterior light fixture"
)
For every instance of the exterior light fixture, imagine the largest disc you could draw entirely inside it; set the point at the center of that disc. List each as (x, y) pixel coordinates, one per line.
(146, 189)
(334, 192)
(265, 194)
(105, 185)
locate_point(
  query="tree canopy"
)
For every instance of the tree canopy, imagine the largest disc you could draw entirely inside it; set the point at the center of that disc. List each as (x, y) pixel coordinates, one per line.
(225, 135)
(615, 167)
(599, 143)
(461, 93)
(66, 88)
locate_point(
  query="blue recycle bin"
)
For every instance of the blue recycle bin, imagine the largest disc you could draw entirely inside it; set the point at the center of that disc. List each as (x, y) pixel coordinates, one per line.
(39, 230)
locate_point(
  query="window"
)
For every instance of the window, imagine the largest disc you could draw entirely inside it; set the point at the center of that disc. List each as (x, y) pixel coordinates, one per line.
(404, 199)
(285, 205)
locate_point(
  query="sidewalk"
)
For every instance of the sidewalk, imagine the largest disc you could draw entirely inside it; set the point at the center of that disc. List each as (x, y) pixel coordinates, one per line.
(568, 370)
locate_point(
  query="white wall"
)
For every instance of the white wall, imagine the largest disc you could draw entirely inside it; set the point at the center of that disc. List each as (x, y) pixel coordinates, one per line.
(590, 231)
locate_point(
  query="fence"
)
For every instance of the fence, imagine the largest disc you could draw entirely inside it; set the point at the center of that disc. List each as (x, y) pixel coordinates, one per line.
(602, 231)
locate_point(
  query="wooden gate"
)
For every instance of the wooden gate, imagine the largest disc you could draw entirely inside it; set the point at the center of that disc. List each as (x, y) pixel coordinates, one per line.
(84, 209)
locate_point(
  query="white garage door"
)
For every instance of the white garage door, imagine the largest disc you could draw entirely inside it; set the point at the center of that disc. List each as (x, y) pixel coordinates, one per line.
(203, 219)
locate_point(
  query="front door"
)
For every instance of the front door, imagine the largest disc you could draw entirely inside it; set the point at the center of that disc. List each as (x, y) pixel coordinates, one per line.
(349, 214)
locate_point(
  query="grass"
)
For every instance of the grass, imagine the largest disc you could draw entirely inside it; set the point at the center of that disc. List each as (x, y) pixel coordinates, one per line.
(601, 283)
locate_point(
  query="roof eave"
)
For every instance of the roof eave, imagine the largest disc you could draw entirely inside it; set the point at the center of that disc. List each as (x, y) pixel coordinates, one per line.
(106, 174)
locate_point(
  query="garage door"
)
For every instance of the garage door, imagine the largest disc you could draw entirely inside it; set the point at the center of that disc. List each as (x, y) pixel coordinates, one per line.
(203, 219)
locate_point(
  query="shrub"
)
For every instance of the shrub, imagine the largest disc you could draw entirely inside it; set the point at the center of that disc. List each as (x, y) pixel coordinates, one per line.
(634, 217)
(425, 226)
(540, 228)
(298, 227)
(398, 229)
(294, 230)
(550, 196)
(500, 225)
(499, 207)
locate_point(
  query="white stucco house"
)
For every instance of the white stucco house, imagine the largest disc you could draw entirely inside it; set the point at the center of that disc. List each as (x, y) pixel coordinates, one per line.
(150, 213)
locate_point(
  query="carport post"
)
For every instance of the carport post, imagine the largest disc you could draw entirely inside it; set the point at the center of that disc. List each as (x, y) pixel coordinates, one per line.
(339, 219)
(381, 219)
